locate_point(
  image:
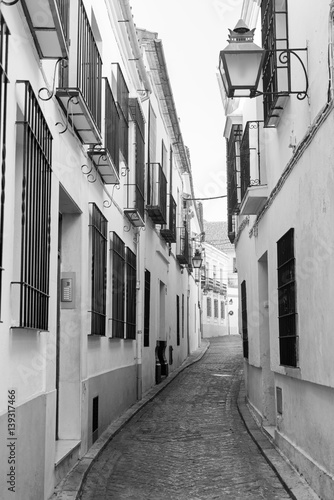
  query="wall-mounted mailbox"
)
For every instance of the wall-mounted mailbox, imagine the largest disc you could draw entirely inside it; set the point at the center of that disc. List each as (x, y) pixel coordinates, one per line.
(67, 290)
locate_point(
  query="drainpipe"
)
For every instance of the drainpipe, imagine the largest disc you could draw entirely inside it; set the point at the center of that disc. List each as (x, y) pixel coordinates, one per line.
(330, 50)
(139, 322)
(137, 52)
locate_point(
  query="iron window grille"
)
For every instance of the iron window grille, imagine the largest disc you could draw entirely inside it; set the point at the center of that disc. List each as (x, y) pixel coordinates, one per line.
(208, 307)
(147, 298)
(123, 107)
(276, 69)
(99, 227)
(135, 192)
(157, 194)
(233, 177)
(36, 214)
(118, 287)
(168, 231)
(106, 156)
(250, 157)
(215, 308)
(222, 310)
(183, 251)
(287, 316)
(131, 280)
(244, 322)
(177, 320)
(4, 34)
(80, 82)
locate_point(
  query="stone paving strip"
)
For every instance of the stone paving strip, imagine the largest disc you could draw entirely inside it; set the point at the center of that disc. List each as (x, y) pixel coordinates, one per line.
(188, 442)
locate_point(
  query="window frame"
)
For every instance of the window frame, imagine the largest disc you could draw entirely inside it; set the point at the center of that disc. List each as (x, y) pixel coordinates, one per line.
(287, 300)
(99, 243)
(118, 287)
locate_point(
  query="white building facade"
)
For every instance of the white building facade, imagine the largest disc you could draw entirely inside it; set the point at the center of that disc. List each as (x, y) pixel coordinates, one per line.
(280, 179)
(94, 232)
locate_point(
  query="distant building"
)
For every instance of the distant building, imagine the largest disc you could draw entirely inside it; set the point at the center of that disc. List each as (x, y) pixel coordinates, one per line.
(219, 283)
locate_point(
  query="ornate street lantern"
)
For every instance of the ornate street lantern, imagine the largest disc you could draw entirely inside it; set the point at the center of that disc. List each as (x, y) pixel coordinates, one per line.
(240, 63)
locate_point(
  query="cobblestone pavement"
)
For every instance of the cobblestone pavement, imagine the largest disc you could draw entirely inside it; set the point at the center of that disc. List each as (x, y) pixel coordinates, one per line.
(189, 443)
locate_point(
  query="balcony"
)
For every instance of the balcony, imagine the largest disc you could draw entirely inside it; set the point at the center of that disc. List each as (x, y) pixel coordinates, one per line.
(157, 194)
(253, 191)
(135, 188)
(183, 249)
(106, 156)
(80, 83)
(48, 23)
(168, 232)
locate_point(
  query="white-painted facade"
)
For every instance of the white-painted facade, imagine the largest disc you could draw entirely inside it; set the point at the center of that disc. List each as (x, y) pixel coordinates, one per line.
(71, 384)
(292, 390)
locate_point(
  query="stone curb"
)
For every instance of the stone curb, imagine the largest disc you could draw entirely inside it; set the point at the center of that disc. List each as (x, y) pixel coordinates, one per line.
(70, 487)
(292, 481)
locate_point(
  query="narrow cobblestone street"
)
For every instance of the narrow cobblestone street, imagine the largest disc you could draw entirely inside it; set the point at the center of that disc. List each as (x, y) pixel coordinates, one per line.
(189, 443)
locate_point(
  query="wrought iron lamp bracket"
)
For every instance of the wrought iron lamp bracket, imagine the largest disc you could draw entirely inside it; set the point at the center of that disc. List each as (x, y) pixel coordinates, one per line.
(91, 177)
(283, 59)
(71, 99)
(50, 93)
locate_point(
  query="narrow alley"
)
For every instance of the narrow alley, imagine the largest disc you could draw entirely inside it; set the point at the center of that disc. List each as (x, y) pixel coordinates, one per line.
(189, 442)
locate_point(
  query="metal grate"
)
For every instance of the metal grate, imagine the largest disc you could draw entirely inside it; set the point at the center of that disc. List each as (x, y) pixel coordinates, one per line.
(177, 320)
(99, 226)
(118, 286)
(244, 324)
(215, 308)
(112, 124)
(4, 33)
(36, 214)
(131, 280)
(287, 299)
(89, 66)
(64, 10)
(123, 107)
(276, 70)
(208, 307)
(233, 164)
(140, 157)
(147, 299)
(157, 194)
(183, 253)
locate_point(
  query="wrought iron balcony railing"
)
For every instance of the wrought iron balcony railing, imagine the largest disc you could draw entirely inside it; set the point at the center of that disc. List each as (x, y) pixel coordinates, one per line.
(106, 156)
(156, 194)
(135, 190)
(168, 232)
(183, 248)
(48, 23)
(80, 82)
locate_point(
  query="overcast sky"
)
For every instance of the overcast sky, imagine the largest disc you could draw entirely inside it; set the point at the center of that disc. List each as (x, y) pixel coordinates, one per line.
(193, 32)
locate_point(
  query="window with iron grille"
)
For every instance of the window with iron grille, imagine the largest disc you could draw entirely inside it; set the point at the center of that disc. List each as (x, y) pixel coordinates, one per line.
(112, 126)
(182, 316)
(287, 316)
(99, 232)
(123, 106)
(152, 136)
(140, 156)
(233, 177)
(208, 307)
(118, 286)
(244, 323)
(276, 69)
(131, 280)
(4, 33)
(147, 299)
(222, 309)
(36, 214)
(177, 320)
(215, 308)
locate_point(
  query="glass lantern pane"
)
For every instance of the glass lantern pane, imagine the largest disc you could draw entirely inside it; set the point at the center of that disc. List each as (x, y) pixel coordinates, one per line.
(243, 68)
